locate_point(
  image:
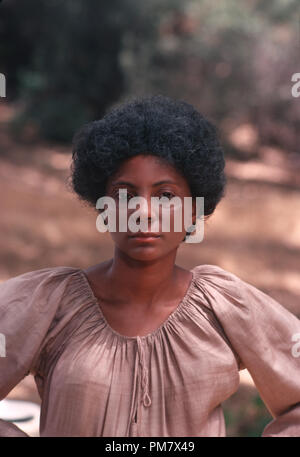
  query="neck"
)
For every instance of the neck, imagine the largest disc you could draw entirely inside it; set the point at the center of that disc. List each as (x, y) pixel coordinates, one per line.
(142, 282)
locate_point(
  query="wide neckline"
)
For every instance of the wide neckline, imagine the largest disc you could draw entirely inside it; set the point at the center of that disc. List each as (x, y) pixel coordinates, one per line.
(152, 334)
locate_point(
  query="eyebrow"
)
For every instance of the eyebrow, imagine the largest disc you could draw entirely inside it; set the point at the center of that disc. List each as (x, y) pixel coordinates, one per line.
(165, 181)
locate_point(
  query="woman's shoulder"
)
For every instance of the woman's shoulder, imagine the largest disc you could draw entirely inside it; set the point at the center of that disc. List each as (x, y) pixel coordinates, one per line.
(248, 316)
(38, 290)
(36, 305)
(35, 276)
(232, 297)
(228, 295)
(215, 275)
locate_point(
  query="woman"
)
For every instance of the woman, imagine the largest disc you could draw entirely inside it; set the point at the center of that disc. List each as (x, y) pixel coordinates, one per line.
(136, 345)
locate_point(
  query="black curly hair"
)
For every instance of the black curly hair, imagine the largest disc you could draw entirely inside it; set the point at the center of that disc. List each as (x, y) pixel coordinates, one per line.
(170, 129)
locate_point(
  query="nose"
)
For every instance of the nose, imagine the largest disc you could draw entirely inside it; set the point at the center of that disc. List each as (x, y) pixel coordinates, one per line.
(147, 215)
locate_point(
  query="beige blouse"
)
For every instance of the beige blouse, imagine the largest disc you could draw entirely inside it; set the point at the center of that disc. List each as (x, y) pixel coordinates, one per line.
(94, 381)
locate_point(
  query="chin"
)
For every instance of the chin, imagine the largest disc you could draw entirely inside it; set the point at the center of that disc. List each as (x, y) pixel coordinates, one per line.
(144, 255)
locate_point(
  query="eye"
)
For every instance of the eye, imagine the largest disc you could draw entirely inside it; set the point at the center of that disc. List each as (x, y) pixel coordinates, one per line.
(167, 194)
(122, 196)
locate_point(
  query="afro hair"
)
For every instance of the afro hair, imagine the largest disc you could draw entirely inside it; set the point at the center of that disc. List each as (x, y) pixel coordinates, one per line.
(170, 129)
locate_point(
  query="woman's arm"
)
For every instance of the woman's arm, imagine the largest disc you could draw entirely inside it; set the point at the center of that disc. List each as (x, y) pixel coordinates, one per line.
(8, 429)
(264, 335)
(273, 362)
(28, 304)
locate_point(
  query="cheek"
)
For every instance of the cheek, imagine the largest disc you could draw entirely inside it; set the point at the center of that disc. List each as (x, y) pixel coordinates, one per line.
(177, 221)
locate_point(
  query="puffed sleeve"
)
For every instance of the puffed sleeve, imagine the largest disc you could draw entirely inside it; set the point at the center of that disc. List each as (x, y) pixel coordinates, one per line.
(28, 304)
(266, 337)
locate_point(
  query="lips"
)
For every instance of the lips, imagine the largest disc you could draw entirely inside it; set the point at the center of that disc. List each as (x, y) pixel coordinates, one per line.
(145, 235)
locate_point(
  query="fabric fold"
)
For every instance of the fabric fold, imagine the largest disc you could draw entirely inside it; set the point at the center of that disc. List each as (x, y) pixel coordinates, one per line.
(94, 381)
(261, 331)
(146, 397)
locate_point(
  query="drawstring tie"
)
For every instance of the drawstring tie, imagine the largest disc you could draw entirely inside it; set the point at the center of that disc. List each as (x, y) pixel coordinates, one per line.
(146, 397)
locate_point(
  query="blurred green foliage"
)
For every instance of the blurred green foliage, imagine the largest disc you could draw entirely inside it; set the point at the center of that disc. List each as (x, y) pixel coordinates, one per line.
(245, 413)
(64, 58)
(67, 62)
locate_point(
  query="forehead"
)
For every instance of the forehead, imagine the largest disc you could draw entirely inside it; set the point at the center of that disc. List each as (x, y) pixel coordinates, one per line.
(146, 169)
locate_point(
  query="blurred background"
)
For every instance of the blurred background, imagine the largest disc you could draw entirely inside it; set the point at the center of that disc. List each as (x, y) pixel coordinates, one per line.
(68, 62)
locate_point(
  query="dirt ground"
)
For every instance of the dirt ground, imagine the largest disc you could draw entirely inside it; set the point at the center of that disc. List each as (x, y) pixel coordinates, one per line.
(254, 233)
